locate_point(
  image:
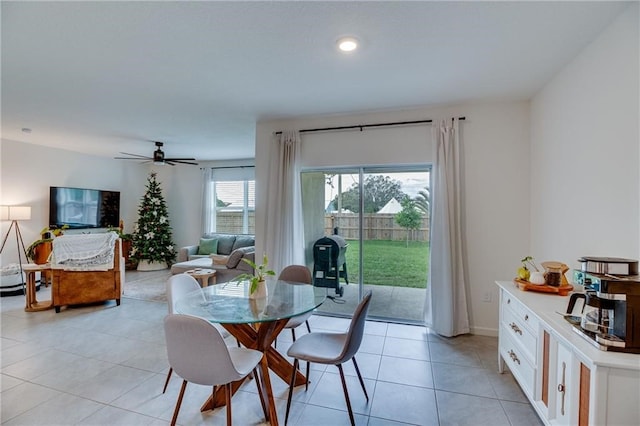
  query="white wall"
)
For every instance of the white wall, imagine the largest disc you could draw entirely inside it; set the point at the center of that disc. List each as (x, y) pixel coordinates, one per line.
(496, 178)
(585, 184)
(29, 170)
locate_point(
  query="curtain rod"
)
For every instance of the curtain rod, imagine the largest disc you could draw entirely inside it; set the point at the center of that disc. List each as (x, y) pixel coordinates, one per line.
(229, 167)
(364, 126)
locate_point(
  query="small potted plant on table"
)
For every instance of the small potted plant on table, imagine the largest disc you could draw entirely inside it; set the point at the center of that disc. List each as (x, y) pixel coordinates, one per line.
(258, 288)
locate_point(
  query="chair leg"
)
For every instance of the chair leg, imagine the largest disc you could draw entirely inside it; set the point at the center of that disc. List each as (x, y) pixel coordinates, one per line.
(262, 402)
(360, 377)
(166, 383)
(306, 384)
(293, 334)
(308, 328)
(291, 385)
(346, 395)
(227, 394)
(178, 403)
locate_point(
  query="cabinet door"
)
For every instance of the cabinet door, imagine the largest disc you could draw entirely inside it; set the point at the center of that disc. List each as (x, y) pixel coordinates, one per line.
(564, 391)
(585, 391)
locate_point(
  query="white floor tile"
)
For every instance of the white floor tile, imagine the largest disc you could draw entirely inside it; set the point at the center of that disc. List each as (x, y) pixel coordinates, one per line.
(106, 364)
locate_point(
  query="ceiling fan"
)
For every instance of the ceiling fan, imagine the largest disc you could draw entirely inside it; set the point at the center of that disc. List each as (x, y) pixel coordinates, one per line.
(158, 157)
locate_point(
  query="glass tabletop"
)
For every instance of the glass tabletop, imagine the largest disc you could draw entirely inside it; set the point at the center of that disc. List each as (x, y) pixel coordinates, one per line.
(229, 302)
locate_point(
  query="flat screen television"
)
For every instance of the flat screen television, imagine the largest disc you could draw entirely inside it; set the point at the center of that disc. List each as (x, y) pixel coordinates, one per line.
(81, 208)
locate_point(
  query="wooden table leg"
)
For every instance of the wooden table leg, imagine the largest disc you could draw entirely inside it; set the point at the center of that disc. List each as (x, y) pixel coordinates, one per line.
(32, 305)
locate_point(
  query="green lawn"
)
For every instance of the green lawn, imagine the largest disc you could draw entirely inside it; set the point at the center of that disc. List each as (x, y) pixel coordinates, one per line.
(390, 263)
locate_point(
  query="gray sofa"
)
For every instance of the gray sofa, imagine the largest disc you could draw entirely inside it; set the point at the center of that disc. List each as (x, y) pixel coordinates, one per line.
(228, 263)
(227, 243)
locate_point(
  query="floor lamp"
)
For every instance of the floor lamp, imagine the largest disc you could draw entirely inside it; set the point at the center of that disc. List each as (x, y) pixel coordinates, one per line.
(15, 214)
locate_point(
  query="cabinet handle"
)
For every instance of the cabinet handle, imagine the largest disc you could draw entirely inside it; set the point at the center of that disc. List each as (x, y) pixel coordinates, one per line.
(515, 328)
(526, 317)
(562, 388)
(514, 357)
(508, 301)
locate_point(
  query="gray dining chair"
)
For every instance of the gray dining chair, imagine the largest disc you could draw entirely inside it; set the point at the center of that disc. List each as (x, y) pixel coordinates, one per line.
(331, 348)
(198, 353)
(297, 274)
(178, 286)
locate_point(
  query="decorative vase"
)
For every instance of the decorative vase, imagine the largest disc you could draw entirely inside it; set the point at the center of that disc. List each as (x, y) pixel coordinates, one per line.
(151, 265)
(261, 291)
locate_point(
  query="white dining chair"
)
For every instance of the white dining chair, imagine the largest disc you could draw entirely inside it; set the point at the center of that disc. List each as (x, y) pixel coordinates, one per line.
(178, 286)
(297, 274)
(198, 353)
(331, 348)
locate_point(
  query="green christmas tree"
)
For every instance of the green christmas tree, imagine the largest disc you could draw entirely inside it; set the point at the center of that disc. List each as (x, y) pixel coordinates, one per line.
(152, 235)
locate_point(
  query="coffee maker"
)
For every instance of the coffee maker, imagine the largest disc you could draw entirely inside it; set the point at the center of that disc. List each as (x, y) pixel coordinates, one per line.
(611, 312)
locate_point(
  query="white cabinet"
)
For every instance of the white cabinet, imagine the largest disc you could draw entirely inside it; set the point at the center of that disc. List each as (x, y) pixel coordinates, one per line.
(567, 380)
(517, 342)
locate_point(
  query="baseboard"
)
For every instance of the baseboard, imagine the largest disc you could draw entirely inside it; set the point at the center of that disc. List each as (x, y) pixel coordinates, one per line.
(484, 331)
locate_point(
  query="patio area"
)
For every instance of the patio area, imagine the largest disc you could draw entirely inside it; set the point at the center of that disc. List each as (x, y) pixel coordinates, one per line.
(393, 304)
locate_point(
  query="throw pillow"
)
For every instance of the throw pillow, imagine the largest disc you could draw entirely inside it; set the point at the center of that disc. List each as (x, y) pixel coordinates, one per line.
(237, 255)
(208, 246)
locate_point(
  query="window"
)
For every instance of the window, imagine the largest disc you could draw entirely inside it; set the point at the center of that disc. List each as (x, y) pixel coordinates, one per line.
(235, 206)
(230, 200)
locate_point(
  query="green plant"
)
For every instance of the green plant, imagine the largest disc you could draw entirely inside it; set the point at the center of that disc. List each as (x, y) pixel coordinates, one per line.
(529, 261)
(121, 235)
(259, 274)
(409, 218)
(54, 230)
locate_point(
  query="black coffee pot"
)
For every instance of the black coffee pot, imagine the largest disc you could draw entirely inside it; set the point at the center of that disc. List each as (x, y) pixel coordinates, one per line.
(597, 313)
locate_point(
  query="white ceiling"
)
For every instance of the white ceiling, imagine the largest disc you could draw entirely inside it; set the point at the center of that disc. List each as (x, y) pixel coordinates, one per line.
(104, 77)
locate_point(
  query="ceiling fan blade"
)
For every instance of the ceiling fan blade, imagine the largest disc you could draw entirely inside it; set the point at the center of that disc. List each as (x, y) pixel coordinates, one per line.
(131, 158)
(183, 162)
(180, 159)
(169, 163)
(134, 155)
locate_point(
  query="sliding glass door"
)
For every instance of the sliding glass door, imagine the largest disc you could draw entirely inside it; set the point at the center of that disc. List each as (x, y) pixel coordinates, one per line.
(382, 216)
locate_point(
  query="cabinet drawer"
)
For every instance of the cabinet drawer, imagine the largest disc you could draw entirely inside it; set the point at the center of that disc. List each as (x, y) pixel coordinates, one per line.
(521, 335)
(519, 365)
(509, 303)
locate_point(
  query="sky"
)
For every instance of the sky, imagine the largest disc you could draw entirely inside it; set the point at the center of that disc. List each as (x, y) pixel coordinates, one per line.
(411, 183)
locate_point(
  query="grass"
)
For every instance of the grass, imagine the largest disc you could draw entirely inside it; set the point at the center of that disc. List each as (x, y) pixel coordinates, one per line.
(390, 263)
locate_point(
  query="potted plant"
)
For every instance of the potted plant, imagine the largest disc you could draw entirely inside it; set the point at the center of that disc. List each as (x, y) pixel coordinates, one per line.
(258, 288)
(39, 250)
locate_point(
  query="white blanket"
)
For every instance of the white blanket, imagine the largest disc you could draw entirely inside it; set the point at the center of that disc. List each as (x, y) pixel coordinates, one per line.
(84, 252)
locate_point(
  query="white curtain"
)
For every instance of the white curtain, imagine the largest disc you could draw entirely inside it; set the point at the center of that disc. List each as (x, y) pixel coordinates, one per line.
(446, 304)
(284, 239)
(208, 205)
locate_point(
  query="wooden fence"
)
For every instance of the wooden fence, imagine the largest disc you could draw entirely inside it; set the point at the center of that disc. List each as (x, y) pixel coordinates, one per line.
(377, 226)
(231, 222)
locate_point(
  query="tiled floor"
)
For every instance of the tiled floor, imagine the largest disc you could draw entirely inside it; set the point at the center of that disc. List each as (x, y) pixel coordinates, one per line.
(105, 365)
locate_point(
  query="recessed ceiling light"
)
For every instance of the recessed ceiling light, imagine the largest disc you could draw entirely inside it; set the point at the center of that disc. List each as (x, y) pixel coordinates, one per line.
(26, 130)
(347, 44)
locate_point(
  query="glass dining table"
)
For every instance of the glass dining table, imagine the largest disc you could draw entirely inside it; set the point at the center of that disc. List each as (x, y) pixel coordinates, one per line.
(255, 323)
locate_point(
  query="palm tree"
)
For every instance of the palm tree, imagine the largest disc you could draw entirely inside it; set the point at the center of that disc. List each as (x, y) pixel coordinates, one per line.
(423, 200)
